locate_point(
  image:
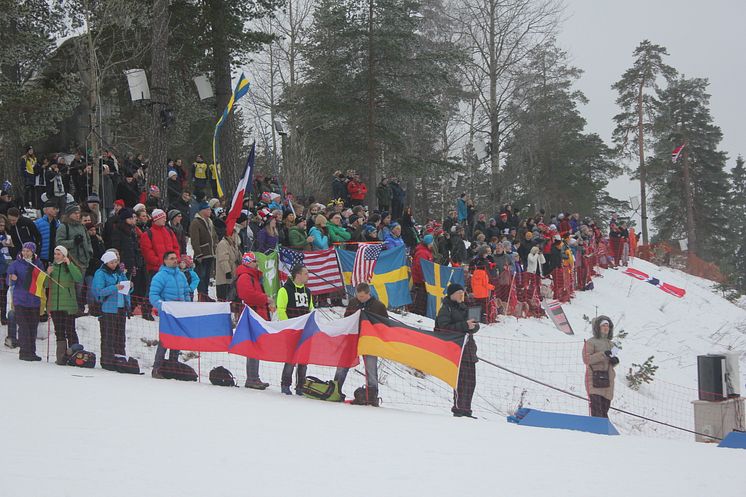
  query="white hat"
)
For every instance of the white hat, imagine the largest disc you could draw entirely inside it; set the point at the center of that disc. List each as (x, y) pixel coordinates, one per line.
(62, 249)
(109, 256)
(172, 173)
(157, 214)
(138, 207)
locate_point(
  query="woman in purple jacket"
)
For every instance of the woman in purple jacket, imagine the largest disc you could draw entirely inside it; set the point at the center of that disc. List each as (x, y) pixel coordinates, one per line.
(26, 304)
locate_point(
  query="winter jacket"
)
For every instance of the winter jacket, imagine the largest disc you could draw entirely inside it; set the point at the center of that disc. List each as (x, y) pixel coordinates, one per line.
(104, 288)
(192, 279)
(452, 318)
(228, 258)
(74, 237)
(393, 242)
(458, 249)
(24, 231)
(320, 240)
(181, 236)
(502, 260)
(373, 306)
(337, 234)
(62, 295)
(461, 210)
(126, 239)
(384, 195)
(48, 231)
(22, 270)
(536, 262)
(397, 194)
(595, 359)
(357, 190)
(5, 258)
(421, 252)
(204, 239)
(265, 242)
(480, 284)
(297, 238)
(168, 285)
(155, 242)
(339, 190)
(250, 290)
(129, 193)
(173, 191)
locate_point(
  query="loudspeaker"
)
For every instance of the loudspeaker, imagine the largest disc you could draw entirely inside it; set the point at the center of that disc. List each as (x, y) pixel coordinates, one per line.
(711, 373)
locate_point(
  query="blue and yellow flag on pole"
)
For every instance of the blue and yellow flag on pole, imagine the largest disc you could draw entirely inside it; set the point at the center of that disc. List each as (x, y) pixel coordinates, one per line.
(437, 279)
(242, 88)
(390, 282)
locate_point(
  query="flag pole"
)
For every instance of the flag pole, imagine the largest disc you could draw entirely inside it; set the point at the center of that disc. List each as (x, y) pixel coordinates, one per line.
(52, 279)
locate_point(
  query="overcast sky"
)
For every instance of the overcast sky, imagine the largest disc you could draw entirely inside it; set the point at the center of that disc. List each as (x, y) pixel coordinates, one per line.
(703, 38)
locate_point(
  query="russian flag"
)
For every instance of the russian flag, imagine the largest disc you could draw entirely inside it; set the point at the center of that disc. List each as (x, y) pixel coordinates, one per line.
(329, 343)
(273, 341)
(196, 326)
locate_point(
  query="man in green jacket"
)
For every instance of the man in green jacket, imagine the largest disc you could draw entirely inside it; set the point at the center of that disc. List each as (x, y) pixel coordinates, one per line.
(293, 300)
(63, 302)
(298, 236)
(337, 233)
(74, 237)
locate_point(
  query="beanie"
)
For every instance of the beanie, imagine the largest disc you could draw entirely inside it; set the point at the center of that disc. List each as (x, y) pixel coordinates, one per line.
(126, 213)
(453, 288)
(158, 214)
(62, 250)
(427, 239)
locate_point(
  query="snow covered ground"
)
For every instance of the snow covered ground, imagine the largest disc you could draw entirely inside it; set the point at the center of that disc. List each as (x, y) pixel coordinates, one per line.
(69, 429)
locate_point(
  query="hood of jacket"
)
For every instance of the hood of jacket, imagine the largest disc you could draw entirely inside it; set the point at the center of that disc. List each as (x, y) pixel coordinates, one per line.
(597, 327)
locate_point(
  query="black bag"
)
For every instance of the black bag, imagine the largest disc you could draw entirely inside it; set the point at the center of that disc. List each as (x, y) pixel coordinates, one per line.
(122, 364)
(366, 397)
(221, 377)
(175, 370)
(82, 359)
(601, 379)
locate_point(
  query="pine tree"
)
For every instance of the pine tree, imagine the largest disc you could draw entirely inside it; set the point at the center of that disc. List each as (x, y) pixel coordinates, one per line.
(737, 254)
(637, 90)
(683, 117)
(551, 163)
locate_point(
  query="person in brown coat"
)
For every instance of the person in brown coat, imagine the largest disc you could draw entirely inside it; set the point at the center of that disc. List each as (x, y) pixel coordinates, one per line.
(204, 240)
(599, 358)
(363, 300)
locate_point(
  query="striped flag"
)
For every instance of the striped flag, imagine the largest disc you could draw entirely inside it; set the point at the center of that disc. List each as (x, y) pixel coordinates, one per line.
(34, 283)
(676, 153)
(324, 275)
(242, 190)
(365, 262)
(558, 317)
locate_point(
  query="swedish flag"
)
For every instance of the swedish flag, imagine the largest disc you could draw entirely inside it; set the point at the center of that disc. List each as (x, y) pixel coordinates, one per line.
(242, 88)
(437, 279)
(390, 282)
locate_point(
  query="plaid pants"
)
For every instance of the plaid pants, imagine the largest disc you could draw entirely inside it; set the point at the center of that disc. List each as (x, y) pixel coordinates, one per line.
(467, 382)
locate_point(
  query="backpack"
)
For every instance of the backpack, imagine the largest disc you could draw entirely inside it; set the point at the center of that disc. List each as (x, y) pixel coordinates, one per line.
(315, 388)
(122, 364)
(82, 359)
(361, 397)
(174, 370)
(222, 377)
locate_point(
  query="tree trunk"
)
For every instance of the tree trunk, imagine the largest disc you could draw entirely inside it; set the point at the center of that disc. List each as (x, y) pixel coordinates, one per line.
(93, 130)
(690, 231)
(642, 170)
(371, 156)
(159, 93)
(494, 124)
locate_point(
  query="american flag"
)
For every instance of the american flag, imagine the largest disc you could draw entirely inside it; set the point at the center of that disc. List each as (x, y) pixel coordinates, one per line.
(324, 275)
(365, 262)
(676, 153)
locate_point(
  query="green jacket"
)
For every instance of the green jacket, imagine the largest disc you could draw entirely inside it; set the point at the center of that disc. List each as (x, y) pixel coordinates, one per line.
(337, 233)
(79, 252)
(62, 296)
(298, 238)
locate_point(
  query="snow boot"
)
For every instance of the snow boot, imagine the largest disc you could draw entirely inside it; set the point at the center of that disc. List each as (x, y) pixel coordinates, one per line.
(11, 342)
(286, 390)
(256, 384)
(61, 353)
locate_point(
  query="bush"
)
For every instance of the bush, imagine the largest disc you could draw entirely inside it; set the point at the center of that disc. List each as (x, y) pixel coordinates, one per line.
(644, 373)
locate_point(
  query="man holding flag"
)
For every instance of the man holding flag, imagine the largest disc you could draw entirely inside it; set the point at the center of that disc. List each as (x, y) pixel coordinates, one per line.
(27, 281)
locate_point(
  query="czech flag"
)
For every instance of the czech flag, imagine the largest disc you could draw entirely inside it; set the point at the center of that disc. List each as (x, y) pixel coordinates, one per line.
(273, 341)
(435, 354)
(196, 326)
(329, 343)
(242, 189)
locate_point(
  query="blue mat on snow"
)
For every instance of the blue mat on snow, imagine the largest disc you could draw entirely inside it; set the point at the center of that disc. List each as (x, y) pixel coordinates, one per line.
(542, 419)
(734, 440)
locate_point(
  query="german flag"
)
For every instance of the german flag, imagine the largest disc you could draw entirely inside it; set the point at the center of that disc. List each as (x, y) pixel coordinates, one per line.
(436, 354)
(34, 283)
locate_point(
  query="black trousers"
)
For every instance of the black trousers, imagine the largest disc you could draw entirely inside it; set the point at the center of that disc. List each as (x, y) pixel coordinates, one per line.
(600, 406)
(467, 383)
(113, 337)
(287, 375)
(27, 320)
(64, 327)
(3, 298)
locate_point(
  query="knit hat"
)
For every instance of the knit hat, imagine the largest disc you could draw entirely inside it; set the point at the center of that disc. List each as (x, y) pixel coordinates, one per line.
(187, 260)
(49, 203)
(352, 219)
(72, 209)
(369, 228)
(126, 213)
(202, 206)
(138, 207)
(158, 214)
(63, 250)
(30, 245)
(119, 202)
(248, 258)
(93, 199)
(154, 189)
(4, 193)
(213, 203)
(394, 225)
(427, 239)
(241, 218)
(108, 256)
(453, 288)
(172, 173)
(173, 213)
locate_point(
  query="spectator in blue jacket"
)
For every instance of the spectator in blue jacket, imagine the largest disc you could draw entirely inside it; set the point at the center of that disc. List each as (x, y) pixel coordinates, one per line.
(319, 234)
(47, 226)
(168, 285)
(108, 286)
(25, 303)
(461, 209)
(393, 237)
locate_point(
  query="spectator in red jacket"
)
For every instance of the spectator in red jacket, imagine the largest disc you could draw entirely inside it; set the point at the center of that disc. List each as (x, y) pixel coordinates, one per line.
(357, 190)
(423, 251)
(250, 290)
(156, 241)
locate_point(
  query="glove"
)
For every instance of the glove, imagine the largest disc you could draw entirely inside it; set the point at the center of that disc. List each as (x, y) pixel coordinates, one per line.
(614, 361)
(228, 276)
(607, 353)
(78, 239)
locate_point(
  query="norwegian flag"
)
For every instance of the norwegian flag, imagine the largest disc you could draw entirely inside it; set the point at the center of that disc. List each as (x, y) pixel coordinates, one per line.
(676, 153)
(666, 287)
(365, 262)
(324, 275)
